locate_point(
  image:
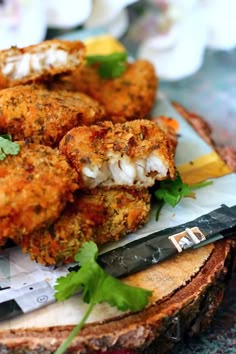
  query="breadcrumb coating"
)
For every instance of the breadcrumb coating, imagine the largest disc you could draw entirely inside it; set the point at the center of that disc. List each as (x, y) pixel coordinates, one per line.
(35, 185)
(40, 61)
(44, 116)
(128, 97)
(135, 153)
(99, 215)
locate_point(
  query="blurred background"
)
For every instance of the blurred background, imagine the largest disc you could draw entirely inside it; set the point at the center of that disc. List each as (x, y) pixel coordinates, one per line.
(192, 44)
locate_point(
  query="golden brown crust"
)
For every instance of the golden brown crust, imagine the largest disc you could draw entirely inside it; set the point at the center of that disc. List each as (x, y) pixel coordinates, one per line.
(128, 97)
(53, 57)
(44, 116)
(34, 187)
(135, 140)
(99, 215)
(170, 132)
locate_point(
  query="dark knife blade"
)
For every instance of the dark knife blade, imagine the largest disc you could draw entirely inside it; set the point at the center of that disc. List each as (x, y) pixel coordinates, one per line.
(154, 248)
(135, 256)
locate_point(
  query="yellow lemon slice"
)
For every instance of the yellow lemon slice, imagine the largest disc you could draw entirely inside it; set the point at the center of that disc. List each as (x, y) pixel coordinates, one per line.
(103, 45)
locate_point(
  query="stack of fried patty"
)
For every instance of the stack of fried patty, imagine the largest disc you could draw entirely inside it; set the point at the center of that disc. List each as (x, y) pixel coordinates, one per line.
(88, 150)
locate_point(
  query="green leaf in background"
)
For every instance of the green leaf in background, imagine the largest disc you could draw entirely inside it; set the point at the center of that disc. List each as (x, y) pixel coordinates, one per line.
(109, 66)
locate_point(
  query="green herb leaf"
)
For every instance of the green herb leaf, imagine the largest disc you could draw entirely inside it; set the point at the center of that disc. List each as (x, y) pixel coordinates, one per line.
(97, 286)
(172, 191)
(159, 206)
(7, 147)
(86, 253)
(109, 66)
(7, 136)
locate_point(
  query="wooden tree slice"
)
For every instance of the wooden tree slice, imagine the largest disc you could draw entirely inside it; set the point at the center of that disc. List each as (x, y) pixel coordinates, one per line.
(187, 291)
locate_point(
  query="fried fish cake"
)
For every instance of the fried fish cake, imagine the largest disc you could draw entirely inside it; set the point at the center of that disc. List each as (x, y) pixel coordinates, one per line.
(99, 215)
(39, 61)
(35, 185)
(135, 153)
(44, 116)
(128, 97)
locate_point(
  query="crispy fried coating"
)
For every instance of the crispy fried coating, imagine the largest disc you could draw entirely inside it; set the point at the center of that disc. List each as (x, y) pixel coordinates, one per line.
(35, 185)
(99, 215)
(170, 132)
(135, 153)
(128, 97)
(44, 116)
(39, 61)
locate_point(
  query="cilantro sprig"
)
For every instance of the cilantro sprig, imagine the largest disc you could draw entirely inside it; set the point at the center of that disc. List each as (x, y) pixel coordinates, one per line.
(172, 191)
(7, 146)
(109, 66)
(97, 286)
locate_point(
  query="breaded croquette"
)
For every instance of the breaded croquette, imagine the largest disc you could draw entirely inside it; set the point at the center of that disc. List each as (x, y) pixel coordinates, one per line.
(135, 153)
(39, 61)
(43, 116)
(128, 97)
(35, 185)
(99, 215)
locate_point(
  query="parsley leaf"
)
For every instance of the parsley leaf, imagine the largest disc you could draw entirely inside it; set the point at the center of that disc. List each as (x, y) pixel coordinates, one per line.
(7, 146)
(172, 191)
(97, 286)
(7, 136)
(109, 66)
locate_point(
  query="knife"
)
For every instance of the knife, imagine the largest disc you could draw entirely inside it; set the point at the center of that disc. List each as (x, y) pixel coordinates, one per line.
(154, 248)
(133, 257)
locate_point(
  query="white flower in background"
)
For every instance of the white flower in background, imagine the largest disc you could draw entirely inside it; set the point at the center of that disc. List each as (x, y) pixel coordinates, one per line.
(110, 15)
(67, 14)
(22, 22)
(177, 48)
(25, 22)
(221, 23)
(184, 29)
(174, 39)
